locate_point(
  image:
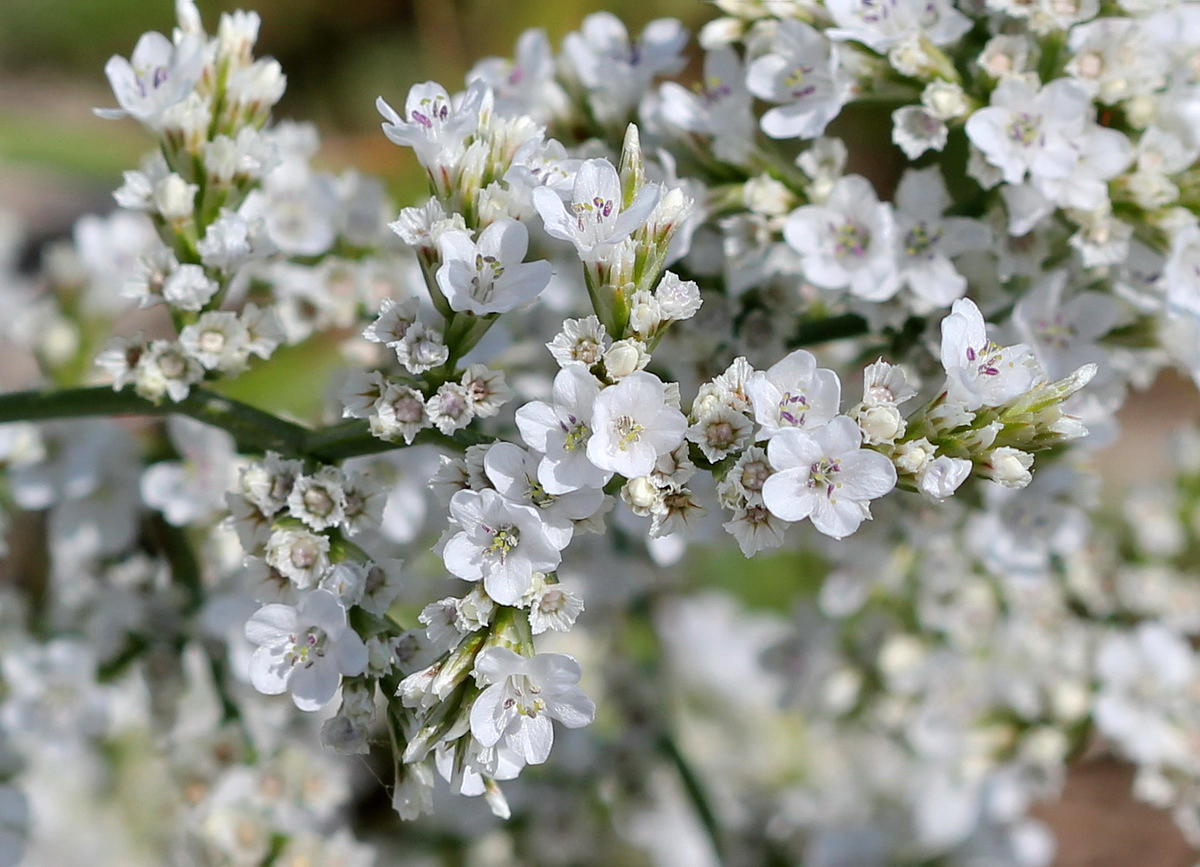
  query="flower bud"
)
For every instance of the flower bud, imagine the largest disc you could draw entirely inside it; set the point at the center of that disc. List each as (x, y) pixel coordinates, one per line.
(880, 424)
(624, 357)
(1010, 467)
(641, 495)
(912, 457)
(174, 198)
(943, 476)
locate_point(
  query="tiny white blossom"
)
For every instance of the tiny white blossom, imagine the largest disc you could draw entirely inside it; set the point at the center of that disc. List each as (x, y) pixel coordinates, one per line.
(500, 543)
(561, 430)
(794, 393)
(824, 475)
(319, 500)
(846, 242)
(803, 72)
(433, 126)
(300, 555)
(633, 424)
(522, 695)
(490, 275)
(978, 371)
(157, 75)
(305, 649)
(594, 219)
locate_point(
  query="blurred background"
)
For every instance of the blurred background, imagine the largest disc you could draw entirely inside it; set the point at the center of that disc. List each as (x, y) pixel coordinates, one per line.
(58, 161)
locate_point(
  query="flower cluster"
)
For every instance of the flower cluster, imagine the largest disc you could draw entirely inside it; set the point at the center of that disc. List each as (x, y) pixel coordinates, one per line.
(619, 323)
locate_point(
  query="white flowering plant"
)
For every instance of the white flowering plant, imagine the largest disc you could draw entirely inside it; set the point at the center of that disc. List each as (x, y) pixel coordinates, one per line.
(614, 334)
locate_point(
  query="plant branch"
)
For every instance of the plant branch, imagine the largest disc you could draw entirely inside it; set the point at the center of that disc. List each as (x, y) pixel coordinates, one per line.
(254, 430)
(829, 328)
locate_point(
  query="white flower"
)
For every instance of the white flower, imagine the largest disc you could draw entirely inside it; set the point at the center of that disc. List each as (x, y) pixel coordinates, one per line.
(432, 125)
(486, 390)
(300, 555)
(1064, 330)
(633, 425)
(188, 288)
(720, 431)
(755, 529)
(846, 242)
(450, 408)
(421, 348)
(794, 393)
(306, 649)
(490, 275)
(720, 106)
(581, 340)
(884, 25)
(392, 322)
(926, 240)
(942, 476)
(218, 340)
(513, 471)
(1009, 467)
(625, 357)
(163, 368)
(158, 75)
(1181, 274)
(824, 475)
(978, 372)
(346, 581)
(191, 490)
(594, 220)
(500, 542)
(555, 608)
(677, 299)
(522, 696)
(1021, 131)
(916, 129)
(399, 412)
(616, 70)
(524, 85)
(319, 500)
(801, 71)
(561, 430)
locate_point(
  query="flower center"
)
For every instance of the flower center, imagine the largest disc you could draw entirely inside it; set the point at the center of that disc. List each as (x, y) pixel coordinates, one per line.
(318, 501)
(487, 271)
(537, 494)
(1056, 332)
(524, 697)
(823, 474)
(306, 648)
(431, 110)
(988, 358)
(920, 239)
(593, 212)
(1023, 129)
(504, 539)
(793, 408)
(627, 431)
(577, 434)
(754, 474)
(795, 82)
(851, 239)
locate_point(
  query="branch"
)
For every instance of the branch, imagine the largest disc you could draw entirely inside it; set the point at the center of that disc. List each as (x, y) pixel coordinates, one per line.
(829, 328)
(254, 430)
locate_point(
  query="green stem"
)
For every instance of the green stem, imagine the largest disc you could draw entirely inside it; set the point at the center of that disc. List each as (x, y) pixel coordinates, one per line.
(695, 792)
(830, 328)
(254, 430)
